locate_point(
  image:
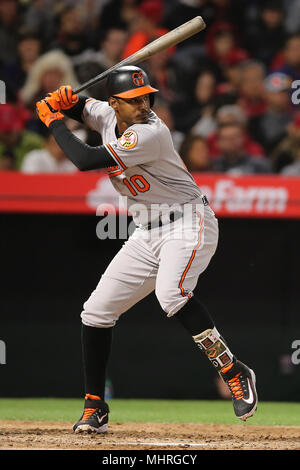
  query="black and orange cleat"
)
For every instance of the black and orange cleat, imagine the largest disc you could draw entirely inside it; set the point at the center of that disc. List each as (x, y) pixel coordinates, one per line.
(94, 417)
(241, 383)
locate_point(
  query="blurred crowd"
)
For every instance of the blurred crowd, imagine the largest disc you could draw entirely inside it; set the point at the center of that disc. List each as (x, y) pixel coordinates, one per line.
(225, 93)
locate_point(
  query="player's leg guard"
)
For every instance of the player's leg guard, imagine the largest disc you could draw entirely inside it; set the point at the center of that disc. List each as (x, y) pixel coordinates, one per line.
(211, 342)
(198, 322)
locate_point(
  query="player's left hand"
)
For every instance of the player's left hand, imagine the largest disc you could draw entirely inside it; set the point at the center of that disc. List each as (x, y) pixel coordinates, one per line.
(48, 111)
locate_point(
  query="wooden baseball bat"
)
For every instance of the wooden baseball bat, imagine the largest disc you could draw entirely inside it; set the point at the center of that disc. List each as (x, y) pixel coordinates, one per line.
(169, 39)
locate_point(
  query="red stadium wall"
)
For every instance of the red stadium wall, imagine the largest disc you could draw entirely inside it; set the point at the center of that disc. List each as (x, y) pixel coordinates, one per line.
(245, 196)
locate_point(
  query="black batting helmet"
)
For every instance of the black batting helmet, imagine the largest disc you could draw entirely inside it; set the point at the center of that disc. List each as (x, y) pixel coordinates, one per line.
(128, 82)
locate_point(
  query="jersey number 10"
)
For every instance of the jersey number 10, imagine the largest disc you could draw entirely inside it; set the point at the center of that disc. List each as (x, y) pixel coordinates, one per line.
(136, 182)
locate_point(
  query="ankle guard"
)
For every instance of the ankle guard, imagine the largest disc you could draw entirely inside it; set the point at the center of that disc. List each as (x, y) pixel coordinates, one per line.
(214, 347)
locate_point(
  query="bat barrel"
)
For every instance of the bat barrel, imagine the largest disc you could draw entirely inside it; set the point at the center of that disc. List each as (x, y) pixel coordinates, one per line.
(177, 35)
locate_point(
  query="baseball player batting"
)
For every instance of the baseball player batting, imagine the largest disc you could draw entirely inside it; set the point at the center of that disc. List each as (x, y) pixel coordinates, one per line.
(169, 248)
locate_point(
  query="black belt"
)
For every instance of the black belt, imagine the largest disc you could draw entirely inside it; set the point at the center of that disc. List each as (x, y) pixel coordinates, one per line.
(173, 216)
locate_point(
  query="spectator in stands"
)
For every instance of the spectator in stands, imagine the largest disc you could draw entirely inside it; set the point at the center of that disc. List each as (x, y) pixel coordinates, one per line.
(91, 63)
(14, 74)
(40, 16)
(265, 37)
(288, 61)
(232, 71)
(233, 159)
(292, 20)
(112, 47)
(29, 49)
(233, 114)
(202, 113)
(294, 168)
(195, 153)
(15, 141)
(119, 14)
(270, 127)
(163, 111)
(286, 154)
(48, 73)
(161, 75)
(88, 70)
(222, 47)
(197, 110)
(7, 161)
(147, 26)
(49, 159)
(231, 11)
(252, 88)
(72, 36)
(10, 20)
(180, 11)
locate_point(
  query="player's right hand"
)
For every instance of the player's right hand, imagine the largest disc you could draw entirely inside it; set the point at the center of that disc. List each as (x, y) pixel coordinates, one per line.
(65, 97)
(48, 111)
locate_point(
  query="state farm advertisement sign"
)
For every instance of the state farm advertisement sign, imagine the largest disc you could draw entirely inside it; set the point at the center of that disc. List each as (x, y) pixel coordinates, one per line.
(81, 193)
(251, 196)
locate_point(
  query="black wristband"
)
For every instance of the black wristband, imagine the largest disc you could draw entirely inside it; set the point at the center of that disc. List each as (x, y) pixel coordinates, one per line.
(76, 111)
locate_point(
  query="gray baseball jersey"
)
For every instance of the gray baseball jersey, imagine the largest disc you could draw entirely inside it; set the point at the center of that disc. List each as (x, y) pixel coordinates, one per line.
(167, 259)
(148, 169)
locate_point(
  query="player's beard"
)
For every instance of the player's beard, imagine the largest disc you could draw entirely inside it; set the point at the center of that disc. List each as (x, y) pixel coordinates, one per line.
(125, 122)
(143, 117)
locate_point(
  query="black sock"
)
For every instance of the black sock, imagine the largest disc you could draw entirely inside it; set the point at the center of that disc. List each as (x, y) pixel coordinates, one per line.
(194, 317)
(96, 344)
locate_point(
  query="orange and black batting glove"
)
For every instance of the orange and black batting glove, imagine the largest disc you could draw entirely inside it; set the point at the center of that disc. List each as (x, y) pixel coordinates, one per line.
(65, 97)
(48, 111)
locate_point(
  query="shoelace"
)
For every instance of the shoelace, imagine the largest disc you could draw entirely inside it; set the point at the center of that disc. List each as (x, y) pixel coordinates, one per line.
(236, 387)
(87, 413)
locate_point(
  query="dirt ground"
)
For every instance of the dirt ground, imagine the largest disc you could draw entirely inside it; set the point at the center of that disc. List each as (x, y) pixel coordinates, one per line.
(138, 436)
